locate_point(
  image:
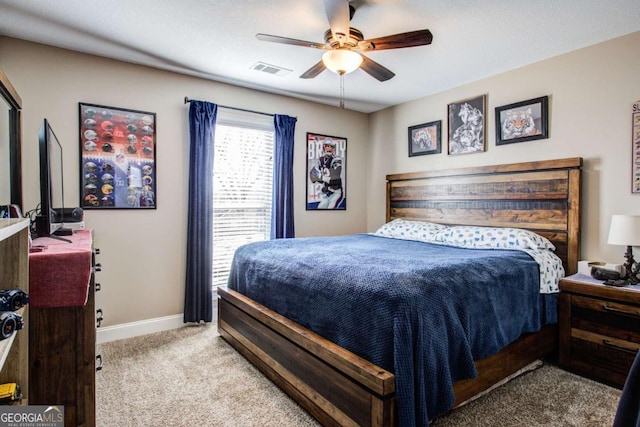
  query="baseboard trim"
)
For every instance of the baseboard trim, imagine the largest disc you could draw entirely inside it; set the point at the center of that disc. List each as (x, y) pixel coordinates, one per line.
(142, 327)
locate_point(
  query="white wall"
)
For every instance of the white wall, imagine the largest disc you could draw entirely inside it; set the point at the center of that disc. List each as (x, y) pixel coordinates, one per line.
(143, 252)
(591, 92)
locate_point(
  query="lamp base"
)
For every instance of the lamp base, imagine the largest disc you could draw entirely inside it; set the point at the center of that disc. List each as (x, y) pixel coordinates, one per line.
(631, 266)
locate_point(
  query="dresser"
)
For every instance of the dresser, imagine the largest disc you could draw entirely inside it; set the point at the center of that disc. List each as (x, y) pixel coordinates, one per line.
(62, 346)
(599, 328)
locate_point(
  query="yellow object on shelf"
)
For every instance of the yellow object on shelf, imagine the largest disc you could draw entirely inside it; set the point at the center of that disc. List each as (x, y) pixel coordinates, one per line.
(10, 393)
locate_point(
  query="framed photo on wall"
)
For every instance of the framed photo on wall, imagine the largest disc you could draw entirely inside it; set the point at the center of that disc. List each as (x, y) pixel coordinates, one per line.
(522, 121)
(326, 177)
(425, 139)
(117, 158)
(466, 125)
(635, 147)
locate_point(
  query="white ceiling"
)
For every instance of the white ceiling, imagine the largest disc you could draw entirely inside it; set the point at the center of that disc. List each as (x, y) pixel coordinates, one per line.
(215, 39)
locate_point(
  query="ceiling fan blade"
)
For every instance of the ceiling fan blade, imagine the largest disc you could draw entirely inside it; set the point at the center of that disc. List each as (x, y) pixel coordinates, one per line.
(314, 71)
(376, 70)
(339, 16)
(286, 40)
(396, 41)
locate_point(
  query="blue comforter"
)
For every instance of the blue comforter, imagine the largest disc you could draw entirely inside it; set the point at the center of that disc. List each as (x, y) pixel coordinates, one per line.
(422, 311)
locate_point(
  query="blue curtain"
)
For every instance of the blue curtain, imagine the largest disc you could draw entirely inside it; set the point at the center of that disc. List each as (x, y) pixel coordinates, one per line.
(282, 201)
(198, 300)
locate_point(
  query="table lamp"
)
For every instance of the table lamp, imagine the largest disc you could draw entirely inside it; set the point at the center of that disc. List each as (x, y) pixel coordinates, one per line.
(625, 230)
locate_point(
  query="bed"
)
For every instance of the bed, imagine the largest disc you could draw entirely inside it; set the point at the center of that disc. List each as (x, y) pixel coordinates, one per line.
(340, 387)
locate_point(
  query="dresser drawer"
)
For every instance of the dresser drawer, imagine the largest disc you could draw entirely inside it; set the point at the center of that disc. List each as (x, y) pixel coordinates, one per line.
(613, 319)
(605, 337)
(598, 356)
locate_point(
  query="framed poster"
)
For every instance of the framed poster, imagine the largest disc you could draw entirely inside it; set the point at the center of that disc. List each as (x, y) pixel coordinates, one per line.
(522, 121)
(467, 125)
(326, 180)
(425, 139)
(117, 158)
(635, 145)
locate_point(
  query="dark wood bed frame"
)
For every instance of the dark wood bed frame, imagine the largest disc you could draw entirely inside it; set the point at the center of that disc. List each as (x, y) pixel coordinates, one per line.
(339, 388)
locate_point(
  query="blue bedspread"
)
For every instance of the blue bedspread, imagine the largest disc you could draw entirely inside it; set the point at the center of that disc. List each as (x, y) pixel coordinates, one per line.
(424, 312)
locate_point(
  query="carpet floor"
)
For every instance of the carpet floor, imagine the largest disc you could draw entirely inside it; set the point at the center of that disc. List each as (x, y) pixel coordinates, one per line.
(192, 377)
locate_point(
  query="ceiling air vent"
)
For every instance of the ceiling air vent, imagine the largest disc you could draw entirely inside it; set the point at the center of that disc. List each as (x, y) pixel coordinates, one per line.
(270, 69)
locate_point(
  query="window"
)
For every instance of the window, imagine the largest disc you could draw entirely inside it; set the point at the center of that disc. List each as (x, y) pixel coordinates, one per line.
(242, 185)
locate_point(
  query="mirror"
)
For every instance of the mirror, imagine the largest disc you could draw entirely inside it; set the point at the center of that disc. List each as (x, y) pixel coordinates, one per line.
(10, 144)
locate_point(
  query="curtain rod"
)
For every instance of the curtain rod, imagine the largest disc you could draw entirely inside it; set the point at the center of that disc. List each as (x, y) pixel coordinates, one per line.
(187, 100)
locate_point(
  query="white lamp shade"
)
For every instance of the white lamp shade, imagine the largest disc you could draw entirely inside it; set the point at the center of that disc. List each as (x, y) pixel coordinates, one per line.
(342, 61)
(624, 230)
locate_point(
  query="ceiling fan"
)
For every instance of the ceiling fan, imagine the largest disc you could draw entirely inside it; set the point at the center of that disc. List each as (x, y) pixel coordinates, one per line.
(343, 44)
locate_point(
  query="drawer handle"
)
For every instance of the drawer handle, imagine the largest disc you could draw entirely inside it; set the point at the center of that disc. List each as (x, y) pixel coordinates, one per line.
(98, 286)
(620, 347)
(96, 251)
(99, 359)
(617, 310)
(99, 317)
(98, 267)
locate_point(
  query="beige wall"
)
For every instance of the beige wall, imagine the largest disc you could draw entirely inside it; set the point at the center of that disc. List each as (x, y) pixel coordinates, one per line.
(143, 252)
(591, 92)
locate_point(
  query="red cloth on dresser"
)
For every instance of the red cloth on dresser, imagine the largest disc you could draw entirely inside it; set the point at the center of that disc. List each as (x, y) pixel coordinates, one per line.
(59, 275)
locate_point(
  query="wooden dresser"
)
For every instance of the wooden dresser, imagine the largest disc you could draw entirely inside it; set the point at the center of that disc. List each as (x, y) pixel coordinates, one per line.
(599, 328)
(62, 345)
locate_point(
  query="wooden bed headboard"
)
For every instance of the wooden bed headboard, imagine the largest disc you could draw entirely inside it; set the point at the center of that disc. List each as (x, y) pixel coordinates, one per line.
(542, 196)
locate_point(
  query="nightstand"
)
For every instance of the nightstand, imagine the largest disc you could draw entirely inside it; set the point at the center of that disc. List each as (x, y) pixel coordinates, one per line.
(599, 328)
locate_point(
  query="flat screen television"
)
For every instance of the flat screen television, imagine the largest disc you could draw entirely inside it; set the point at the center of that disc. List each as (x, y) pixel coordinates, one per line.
(49, 219)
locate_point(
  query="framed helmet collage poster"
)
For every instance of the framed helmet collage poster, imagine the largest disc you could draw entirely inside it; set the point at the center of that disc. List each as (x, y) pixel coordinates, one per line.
(326, 167)
(118, 158)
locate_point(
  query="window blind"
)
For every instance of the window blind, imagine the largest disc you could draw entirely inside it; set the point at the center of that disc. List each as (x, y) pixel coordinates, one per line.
(242, 185)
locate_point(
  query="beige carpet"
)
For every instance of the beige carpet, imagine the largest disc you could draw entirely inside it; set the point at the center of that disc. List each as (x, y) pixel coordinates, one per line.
(192, 377)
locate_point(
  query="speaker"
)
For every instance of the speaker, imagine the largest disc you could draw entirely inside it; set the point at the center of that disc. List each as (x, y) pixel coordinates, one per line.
(72, 215)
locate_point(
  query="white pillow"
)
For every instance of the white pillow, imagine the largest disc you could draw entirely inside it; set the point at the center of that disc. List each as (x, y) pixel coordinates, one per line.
(493, 238)
(421, 231)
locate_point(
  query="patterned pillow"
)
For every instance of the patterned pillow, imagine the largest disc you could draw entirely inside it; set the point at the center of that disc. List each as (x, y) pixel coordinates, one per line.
(421, 231)
(493, 238)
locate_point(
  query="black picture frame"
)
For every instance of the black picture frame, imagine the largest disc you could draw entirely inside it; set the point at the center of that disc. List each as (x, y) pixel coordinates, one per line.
(425, 138)
(117, 158)
(326, 173)
(466, 125)
(522, 121)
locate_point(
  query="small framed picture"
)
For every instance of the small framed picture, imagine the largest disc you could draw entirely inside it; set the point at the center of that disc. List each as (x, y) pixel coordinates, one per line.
(467, 125)
(425, 139)
(635, 144)
(522, 121)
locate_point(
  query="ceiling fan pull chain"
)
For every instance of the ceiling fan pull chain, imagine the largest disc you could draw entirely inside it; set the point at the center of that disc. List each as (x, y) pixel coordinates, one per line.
(342, 91)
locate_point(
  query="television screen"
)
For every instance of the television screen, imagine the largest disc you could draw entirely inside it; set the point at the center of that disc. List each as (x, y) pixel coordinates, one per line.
(49, 221)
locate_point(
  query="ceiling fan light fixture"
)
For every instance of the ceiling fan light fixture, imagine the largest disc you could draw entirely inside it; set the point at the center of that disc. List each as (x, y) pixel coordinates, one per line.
(342, 61)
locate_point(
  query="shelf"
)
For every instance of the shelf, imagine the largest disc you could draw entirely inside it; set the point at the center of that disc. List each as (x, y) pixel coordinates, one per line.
(11, 226)
(14, 274)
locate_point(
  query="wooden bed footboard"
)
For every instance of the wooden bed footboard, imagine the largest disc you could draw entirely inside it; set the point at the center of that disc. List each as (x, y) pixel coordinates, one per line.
(335, 386)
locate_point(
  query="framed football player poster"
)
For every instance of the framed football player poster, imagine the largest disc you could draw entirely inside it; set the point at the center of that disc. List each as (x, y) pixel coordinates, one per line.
(326, 167)
(117, 158)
